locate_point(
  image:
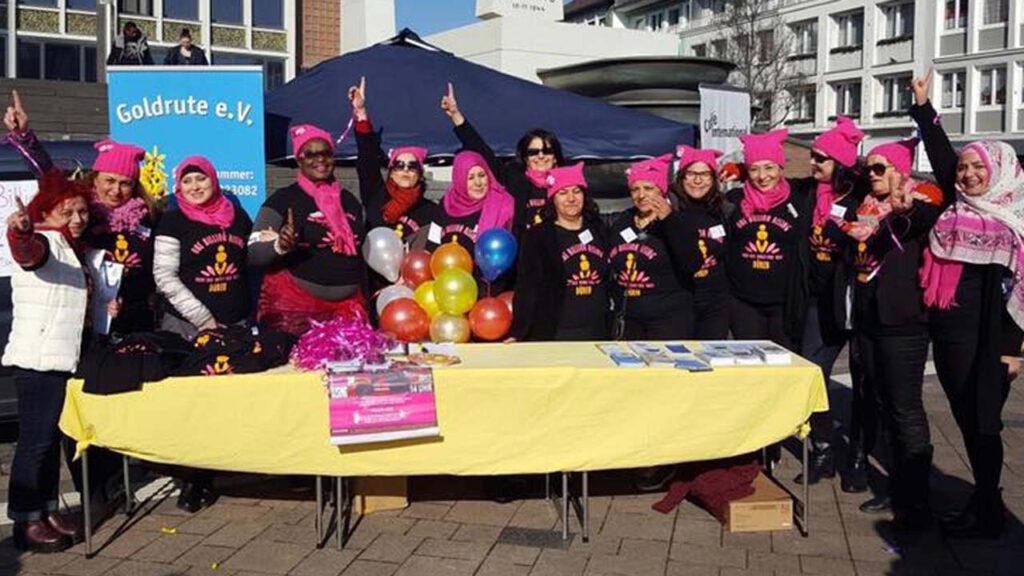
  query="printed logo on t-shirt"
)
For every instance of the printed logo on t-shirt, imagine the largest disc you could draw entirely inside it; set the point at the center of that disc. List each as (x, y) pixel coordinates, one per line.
(822, 246)
(632, 277)
(122, 253)
(585, 277)
(762, 250)
(455, 230)
(220, 270)
(220, 366)
(329, 240)
(865, 264)
(708, 261)
(406, 227)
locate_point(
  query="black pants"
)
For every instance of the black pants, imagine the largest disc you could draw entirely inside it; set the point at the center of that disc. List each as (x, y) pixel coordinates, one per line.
(863, 404)
(815, 347)
(35, 470)
(711, 317)
(676, 326)
(893, 363)
(758, 322)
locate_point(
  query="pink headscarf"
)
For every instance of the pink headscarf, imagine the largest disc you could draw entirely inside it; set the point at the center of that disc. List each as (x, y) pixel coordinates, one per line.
(654, 171)
(496, 207)
(218, 210)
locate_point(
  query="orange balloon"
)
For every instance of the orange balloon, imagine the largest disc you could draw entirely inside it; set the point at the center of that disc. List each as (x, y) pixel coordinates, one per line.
(507, 298)
(490, 319)
(448, 256)
(406, 320)
(416, 268)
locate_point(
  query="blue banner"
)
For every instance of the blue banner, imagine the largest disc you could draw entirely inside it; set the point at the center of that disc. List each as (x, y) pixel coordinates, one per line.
(177, 111)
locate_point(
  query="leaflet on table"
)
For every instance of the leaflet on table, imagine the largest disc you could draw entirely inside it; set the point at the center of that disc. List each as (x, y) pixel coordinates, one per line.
(639, 354)
(393, 404)
(753, 353)
(621, 356)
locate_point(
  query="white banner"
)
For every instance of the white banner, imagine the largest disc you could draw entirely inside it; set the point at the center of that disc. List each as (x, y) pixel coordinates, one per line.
(724, 117)
(9, 190)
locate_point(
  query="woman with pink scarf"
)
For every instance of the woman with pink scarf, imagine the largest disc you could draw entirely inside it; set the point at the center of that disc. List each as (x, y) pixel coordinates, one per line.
(307, 237)
(972, 280)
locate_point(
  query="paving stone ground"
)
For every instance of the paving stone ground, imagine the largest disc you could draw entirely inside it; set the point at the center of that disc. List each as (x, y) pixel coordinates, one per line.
(265, 527)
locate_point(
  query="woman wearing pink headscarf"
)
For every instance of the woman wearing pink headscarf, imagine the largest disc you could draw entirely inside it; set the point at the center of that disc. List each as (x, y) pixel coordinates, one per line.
(307, 238)
(972, 278)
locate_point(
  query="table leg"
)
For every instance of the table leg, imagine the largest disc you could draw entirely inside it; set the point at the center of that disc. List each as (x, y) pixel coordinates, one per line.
(586, 506)
(339, 507)
(129, 495)
(565, 505)
(87, 503)
(318, 518)
(806, 507)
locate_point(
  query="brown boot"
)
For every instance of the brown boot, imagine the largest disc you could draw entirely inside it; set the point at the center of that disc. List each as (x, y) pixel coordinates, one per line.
(67, 525)
(39, 536)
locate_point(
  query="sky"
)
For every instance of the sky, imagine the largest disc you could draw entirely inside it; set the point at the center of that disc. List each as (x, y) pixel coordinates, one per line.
(428, 17)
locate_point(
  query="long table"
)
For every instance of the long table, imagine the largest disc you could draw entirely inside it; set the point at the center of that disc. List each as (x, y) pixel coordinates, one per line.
(505, 409)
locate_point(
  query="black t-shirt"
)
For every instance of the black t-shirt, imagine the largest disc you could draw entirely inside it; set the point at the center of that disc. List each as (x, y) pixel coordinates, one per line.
(761, 251)
(442, 229)
(315, 259)
(644, 271)
(536, 198)
(134, 249)
(828, 244)
(709, 282)
(585, 270)
(212, 262)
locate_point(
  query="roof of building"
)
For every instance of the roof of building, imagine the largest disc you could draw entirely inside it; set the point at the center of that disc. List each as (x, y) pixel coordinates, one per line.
(577, 7)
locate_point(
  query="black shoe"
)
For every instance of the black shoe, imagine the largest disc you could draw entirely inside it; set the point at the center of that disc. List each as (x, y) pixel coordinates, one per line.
(855, 479)
(189, 499)
(822, 464)
(877, 505)
(982, 519)
(912, 520)
(505, 489)
(654, 479)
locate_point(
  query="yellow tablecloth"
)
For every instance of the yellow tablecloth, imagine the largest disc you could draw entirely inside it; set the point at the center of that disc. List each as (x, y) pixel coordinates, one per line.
(522, 408)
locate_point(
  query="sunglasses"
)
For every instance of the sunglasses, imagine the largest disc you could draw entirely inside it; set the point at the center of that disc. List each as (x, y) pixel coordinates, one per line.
(317, 155)
(410, 166)
(820, 158)
(538, 151)
(696, 175)
(879, 169)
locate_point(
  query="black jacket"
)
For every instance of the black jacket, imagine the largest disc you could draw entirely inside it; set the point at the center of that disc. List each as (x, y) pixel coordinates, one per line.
(373, 192)
(175, 58)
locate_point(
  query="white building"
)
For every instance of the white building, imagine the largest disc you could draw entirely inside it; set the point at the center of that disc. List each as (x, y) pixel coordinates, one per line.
(860, 55)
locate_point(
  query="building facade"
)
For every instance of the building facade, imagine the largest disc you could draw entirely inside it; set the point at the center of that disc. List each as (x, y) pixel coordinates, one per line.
(859, 56)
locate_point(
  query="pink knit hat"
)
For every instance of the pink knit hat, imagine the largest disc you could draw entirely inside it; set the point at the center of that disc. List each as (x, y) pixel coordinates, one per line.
(304, 133)
(564, 177)
(900, 154)
(116, 158)
(654, 171)
(419, 153)
(688, 155)
(840, 142)
(761, 147)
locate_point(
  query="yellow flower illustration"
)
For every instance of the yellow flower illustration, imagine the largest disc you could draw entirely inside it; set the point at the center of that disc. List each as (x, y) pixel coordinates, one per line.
(153, 176)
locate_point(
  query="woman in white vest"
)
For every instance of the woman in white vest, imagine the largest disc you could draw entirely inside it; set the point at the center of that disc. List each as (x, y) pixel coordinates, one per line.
(52, 292)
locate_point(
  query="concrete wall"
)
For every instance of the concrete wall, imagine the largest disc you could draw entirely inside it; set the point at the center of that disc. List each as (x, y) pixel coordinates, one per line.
(992, 39)
(894, 53)
(845, 61)
(952, 44)
(365, 22)
(62, 110)
(1020, 119)
(807, 67)
(989, 121)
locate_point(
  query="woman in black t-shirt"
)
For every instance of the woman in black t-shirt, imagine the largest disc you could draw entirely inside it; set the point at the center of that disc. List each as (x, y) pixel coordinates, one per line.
(200, 254)
(562, 281)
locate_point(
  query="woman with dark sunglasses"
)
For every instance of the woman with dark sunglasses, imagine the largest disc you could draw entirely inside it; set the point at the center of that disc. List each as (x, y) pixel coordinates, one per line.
(537, 152)
(975, 300)
(890, 320)
(307, 236)
(396, 202)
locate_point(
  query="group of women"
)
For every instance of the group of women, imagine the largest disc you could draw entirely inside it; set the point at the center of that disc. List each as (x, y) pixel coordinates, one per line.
(861, 253)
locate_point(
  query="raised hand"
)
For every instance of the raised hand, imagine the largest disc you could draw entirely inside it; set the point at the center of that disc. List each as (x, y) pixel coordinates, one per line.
(451, 106)
(286, 235)
(659, 206)
(922, 87)
(19, 220)
(357, 95)
(15, 118)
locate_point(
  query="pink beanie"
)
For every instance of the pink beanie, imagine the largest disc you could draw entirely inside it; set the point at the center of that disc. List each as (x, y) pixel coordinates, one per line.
(419, 153)
(304, 133)
(564, 177)
(116, 158)
(761, 147)
(840, 142)
(688, 155)
(900, 154)
(654, 171)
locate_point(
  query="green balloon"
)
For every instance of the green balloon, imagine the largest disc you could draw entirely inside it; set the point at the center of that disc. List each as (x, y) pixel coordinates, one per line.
(455, 291)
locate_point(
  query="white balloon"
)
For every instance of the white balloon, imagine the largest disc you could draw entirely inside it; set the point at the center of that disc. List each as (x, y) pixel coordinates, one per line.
(390, 294)
(383, 251)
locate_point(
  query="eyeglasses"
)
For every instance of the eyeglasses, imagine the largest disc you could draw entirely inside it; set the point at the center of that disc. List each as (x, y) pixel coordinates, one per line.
(690, 175)
(879, 169)
(317, 154)
(410, 166)
(820, 158)
(547, 151)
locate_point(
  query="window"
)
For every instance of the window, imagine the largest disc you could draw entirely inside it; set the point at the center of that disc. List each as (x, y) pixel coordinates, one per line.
(896, 95)
(226, 11)
(136, 7)
(267, 14)
(848, 99)
(89, 63)
(996, 11)
(273, 70)
(640, 23)
(851, 29)
(183, 9)
(993, 87)
(85, 5)
(3, 56)
(48, 3)
(803, 105)
(956, 14)
(899, 20)
(765, 45)
(805, 36)
(718, 7)
(30, 59)
(56, 61)
(718, 49)
(657, 21)
(673, 17)
(953, 89)
(700, 50)
(62, 62)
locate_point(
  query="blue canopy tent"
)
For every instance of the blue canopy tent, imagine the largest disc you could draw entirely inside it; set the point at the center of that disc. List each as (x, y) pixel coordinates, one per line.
(406, 79)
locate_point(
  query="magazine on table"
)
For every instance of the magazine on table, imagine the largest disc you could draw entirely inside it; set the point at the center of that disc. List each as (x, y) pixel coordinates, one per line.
(395, 403)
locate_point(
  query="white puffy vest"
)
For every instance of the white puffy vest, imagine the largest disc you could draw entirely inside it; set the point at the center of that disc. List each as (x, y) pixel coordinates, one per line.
(50, 304)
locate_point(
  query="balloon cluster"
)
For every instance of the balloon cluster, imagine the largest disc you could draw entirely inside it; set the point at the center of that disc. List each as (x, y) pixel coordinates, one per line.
(435, 295)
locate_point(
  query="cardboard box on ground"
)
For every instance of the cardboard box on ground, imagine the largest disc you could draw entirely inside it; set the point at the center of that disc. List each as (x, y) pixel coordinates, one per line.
(768, 508)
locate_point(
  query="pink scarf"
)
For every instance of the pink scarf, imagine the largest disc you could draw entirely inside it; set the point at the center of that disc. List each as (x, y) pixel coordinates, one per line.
(496, 207)
(327, 197)
(124, 218)
(823, 206)
(539, 178)
(760, 202)
(218, 210)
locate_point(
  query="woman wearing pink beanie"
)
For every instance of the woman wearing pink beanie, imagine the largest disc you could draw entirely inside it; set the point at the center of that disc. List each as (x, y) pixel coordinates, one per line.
(975, 299)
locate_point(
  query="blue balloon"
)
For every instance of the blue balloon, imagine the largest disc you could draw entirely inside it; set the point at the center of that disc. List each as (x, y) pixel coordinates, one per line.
(495, 252)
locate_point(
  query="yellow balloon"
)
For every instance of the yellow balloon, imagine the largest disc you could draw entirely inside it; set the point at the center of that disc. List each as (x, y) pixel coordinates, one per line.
(449, 328)
(449, 256)
(424, 296)
(455, 291)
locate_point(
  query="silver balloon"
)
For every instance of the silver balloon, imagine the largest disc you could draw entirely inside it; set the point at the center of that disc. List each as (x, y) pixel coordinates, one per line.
(390, 294)
(384, 252)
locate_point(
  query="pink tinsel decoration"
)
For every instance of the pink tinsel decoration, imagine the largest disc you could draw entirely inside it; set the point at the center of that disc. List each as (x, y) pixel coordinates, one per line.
(339, 340)
(124, 218)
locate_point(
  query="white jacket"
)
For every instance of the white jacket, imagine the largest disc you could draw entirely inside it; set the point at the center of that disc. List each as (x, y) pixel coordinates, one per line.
(50, 305)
